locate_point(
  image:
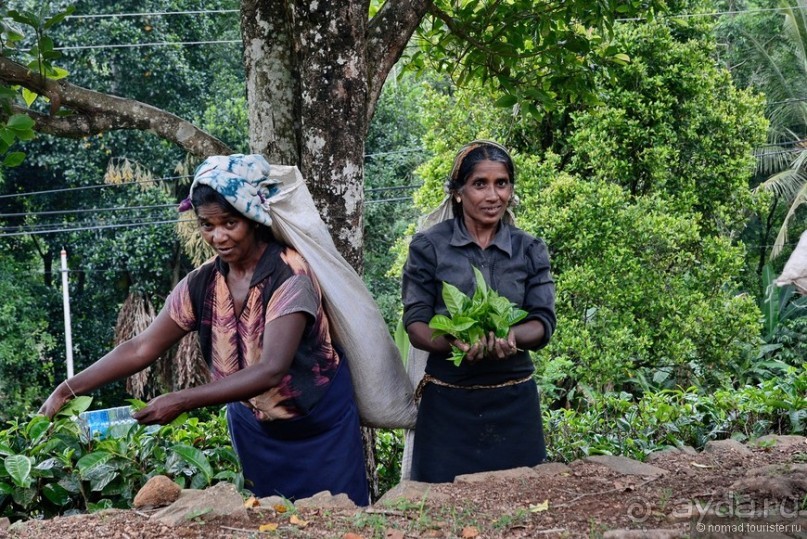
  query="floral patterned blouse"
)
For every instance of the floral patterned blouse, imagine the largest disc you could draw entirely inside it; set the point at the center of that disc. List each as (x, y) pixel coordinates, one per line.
(281, 284)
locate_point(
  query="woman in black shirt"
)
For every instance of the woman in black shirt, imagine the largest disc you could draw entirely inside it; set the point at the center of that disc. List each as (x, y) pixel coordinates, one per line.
(483, 414)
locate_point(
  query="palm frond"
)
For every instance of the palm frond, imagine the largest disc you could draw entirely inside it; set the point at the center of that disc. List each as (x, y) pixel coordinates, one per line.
(781, 238)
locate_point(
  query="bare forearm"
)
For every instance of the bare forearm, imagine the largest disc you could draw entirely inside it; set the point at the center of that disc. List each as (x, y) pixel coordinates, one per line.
(239, 386)
(420, 335)
(121, 362)
(529, 334)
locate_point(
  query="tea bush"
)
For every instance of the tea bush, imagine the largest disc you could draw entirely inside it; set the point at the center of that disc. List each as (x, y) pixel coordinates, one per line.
(620, 424)
(52, 467)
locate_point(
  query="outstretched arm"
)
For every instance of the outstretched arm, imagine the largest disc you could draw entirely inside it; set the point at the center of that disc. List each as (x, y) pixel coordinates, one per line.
(126, 359)
(283, 336)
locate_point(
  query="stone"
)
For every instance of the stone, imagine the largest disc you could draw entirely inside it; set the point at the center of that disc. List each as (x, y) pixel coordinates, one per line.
(219, 500)
(410, 491)
(157, 492)
(778, 469)
(271, 502)
(326, 500)
(551, 468)
(726, 446)
(5, 522)
(513, 474)
(685, 449)
(779, 441)
(625, 466)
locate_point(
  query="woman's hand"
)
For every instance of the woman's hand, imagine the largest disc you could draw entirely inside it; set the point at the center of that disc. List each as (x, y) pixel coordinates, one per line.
(161, 410)
(55, 401)
(492, 347)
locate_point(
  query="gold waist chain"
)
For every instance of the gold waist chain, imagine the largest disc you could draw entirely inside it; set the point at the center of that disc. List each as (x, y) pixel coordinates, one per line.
(429, 379)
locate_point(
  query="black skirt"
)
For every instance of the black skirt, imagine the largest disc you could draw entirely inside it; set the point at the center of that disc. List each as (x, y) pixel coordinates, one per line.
(461, 431)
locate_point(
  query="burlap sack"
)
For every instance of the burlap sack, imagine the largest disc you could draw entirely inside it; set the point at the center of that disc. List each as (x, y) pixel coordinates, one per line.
(383, 391)
(795, 270)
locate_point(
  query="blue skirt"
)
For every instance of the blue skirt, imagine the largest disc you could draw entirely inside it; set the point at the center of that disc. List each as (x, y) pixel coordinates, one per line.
(297, 458)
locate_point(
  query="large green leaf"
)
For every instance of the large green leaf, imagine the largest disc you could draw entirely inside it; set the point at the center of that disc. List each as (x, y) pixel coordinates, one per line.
(19, 469)
(196, 458)
(453, 298)
(56, 494)
(91, 461)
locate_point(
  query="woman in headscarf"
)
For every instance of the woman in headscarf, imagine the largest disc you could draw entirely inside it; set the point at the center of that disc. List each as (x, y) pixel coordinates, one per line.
(482, 414)
(258, 312)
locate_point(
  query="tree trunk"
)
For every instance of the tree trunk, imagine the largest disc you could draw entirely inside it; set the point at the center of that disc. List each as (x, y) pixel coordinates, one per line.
(315, 51)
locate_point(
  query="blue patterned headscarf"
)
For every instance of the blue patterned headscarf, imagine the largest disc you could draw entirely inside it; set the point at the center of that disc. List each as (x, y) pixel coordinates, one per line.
(243, 180)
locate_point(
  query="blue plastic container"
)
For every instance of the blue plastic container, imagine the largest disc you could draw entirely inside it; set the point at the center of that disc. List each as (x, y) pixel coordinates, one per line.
(107, 423)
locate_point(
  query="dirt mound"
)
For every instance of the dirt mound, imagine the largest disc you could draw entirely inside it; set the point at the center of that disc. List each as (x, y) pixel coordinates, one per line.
(724, 487)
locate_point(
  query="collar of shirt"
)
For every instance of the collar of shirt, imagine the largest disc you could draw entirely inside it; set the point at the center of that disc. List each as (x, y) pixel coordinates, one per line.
(502, 240)
(265, 267)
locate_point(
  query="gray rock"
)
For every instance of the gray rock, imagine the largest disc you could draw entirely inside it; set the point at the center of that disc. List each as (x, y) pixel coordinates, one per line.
(410, 491)
(726, 446)
(774, 440)
(645, 534)
(687, 450)
(551, 468)
(778, 469)
(4, 524)
(157, 492)
(326, 500)
(512, 474)
(625, 465)
(270, 502)
(220, 499)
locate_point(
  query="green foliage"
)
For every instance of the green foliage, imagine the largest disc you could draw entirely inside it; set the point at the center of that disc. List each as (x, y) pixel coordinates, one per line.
(26, 347)
(642, 295)
(473, 318)
(388, 457)
(674, 126)
(38, 54)
(51, 467)
(620, 424)
(537, 55)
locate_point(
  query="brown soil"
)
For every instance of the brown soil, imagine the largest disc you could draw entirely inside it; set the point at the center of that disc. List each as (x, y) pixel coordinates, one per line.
(587, 501)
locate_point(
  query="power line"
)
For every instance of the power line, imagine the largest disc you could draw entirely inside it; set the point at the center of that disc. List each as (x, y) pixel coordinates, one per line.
(152, 44)
(86, 210)
(94, 186)
(714, 13)
(152, 14)
(97, 227)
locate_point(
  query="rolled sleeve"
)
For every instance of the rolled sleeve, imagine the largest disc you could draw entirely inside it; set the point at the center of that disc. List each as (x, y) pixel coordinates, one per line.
(180, 307)
(419, 285)
(296, 294)
(539, 292)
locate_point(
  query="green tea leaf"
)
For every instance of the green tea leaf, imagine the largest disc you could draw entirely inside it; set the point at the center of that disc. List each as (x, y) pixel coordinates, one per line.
(56, 494)
(453, 298)
(19, 469)
(472, 319)
(75, 407)
(91, 461)
(195, 458)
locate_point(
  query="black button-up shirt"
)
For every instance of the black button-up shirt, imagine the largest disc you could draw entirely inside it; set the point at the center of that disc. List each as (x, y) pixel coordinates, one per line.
(515, 264)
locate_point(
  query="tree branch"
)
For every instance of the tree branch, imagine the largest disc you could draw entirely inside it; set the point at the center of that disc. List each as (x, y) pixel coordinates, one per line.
(388, 33)
(96, 112)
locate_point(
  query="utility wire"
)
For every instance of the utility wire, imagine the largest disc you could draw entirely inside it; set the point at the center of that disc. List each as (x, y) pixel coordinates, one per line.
(94, 186)
(714, 13)
(98, 227)
(86, 210)
(152, 14)
(151, 44)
